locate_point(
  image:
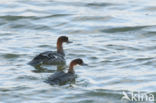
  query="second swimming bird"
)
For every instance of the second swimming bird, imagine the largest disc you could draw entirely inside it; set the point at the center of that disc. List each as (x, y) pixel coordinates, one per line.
(51, 57)
(60, 78)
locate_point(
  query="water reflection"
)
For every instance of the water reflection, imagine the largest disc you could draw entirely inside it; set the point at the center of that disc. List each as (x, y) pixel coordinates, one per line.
(116, 38)
(51, 69)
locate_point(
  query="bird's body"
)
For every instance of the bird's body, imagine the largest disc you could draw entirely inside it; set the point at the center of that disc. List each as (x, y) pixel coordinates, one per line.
(48, 58)
(60, 78)
(51, 57)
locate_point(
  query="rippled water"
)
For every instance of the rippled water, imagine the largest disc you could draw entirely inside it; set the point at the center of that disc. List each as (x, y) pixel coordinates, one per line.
(117, 38)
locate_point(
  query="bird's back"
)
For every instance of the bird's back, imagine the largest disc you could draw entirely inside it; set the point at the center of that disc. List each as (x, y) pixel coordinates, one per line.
(60, 78)
(48, 57)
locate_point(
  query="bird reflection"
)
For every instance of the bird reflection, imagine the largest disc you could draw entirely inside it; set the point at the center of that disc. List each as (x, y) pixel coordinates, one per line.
(43, 69)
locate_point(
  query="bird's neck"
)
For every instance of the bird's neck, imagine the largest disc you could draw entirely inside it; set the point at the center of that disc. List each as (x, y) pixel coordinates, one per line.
(60, 48)
(71, 70)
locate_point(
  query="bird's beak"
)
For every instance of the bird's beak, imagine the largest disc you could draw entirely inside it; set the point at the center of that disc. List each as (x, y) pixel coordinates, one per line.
(69, 41)
(84, 64)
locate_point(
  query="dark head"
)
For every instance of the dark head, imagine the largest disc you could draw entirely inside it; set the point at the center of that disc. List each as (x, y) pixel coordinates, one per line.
(62, 39)
(75, 62)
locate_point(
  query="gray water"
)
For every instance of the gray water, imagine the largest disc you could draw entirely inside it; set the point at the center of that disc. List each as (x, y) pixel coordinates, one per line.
(117, 38)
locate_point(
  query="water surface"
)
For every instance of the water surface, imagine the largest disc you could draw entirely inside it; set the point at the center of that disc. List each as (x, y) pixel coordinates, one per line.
(116, 38)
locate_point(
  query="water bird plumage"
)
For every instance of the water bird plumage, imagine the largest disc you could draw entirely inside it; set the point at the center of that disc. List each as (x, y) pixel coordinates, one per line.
(52, 57)
(60, 78)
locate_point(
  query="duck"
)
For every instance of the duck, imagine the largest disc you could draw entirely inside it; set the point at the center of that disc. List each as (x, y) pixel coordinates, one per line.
(61, 78)
(51, 57)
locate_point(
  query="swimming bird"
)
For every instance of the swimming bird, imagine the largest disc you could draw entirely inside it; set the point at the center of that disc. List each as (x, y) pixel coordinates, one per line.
(60, 78)
(51, 57)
